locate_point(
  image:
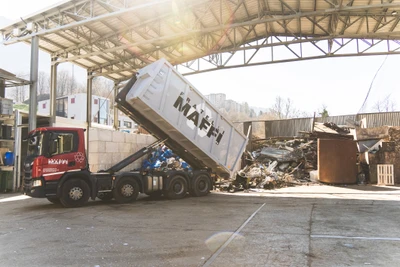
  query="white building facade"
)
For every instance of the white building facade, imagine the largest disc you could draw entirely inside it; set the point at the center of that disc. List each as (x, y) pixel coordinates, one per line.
(232, 106)
(74, 107)
(217, 99)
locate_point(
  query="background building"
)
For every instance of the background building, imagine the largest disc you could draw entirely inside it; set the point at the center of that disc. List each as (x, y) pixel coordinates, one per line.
(74, 107)
(217, 99)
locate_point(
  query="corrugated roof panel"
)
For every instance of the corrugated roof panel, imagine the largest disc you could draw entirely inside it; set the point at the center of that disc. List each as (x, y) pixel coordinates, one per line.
(99, 59)
(86, 62)
(99, 28)
(60, 39)
(128, 73)
(353, 25)
(47, 46)
(260, 30)
(203, 17)
(307, 6)
(135, 18)
(306, 26)
(385, 26)
(119, 24)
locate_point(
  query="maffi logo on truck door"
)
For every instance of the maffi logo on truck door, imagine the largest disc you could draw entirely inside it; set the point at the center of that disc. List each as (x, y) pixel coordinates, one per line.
(58, 161)
(198, 118)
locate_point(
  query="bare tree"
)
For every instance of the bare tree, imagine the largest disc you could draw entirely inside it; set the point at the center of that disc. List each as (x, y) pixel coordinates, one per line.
(252, 113)
(80, 88)
(235, 116)
(103, 87)
(19, 94)
(66, 84)
(385, 105)
(284, 109)
(324, 112)
(43, 83)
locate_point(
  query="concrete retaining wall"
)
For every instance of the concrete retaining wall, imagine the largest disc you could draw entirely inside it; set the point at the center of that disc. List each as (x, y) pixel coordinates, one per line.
(107, 147)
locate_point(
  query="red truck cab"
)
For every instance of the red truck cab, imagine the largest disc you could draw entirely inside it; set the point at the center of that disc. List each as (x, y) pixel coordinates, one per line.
(53, 152)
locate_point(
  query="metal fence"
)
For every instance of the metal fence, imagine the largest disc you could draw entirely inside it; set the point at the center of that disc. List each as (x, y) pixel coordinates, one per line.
(292, 127)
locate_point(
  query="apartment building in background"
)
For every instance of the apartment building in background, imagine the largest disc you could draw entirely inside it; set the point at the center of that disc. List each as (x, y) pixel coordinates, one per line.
(74, 107)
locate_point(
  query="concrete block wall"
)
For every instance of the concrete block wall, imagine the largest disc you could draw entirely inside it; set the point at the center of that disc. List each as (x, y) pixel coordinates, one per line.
(107, 147)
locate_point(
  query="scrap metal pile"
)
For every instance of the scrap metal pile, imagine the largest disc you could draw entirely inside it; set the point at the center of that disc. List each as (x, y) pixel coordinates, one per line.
(284, 161)
(276, 163)
(162, 159)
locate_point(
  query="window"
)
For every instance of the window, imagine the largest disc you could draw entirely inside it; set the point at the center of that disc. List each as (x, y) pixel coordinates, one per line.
(63, 142)
(128, 124)
(103, 111)
(44, 105)
(73, 100)
(96, 101)
(62, 107)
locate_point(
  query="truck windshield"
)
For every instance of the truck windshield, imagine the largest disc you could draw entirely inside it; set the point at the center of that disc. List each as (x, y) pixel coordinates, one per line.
(35, 145)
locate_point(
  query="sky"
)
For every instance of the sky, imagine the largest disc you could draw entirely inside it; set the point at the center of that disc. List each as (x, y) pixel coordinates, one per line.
(339, 84)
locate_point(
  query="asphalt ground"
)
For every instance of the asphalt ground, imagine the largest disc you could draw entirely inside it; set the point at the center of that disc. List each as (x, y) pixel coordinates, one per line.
(298, 226)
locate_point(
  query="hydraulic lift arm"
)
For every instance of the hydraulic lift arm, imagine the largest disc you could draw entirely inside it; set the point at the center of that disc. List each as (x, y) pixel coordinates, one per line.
(135, 156)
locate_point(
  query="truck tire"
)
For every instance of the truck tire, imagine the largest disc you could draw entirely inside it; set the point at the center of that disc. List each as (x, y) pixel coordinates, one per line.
(201, 186)
(74, 193)
(54, 200)
(177, 187)
(127, 190)
(105, 196)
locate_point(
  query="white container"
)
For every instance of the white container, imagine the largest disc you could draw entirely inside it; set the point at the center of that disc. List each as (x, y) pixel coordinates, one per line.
(6, 106)
(168, 106)
(314, 176)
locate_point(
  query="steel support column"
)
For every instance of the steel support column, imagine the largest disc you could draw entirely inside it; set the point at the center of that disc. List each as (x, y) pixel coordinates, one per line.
(33, 86)
(89, 84)
(2, 88)
(17, 150)
(53, 92)
(116, 111)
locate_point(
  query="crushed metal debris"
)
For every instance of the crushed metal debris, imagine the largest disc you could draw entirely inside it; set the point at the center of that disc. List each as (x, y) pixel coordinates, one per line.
(275, 164)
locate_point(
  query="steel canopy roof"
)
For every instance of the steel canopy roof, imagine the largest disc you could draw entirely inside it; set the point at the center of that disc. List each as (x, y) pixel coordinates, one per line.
(115, 38)
(11, 80)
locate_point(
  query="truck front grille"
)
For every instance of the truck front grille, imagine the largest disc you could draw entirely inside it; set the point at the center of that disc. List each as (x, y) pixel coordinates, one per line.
(27, 178)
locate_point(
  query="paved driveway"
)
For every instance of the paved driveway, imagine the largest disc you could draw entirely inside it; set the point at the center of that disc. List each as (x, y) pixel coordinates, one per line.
(302, 226)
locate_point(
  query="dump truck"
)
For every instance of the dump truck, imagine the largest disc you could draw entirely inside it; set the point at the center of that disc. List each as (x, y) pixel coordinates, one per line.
(165, 104)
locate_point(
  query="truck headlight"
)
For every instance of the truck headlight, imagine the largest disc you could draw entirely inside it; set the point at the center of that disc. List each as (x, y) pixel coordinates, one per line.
(37, 183)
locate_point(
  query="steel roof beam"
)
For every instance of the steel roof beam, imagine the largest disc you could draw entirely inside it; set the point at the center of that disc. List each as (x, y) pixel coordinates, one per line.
(211, 29)
(302, 14)
(326, 55)
(86, 21)
(265, 45)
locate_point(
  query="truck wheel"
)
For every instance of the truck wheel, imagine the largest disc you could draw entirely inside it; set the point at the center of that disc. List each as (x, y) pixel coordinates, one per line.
(127, 190)
(105, 196)
(201, 186)
(54, 200)
(177, 187)
(74, 193)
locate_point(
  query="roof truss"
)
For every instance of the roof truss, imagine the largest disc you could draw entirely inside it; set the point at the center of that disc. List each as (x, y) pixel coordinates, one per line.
(115, 38)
